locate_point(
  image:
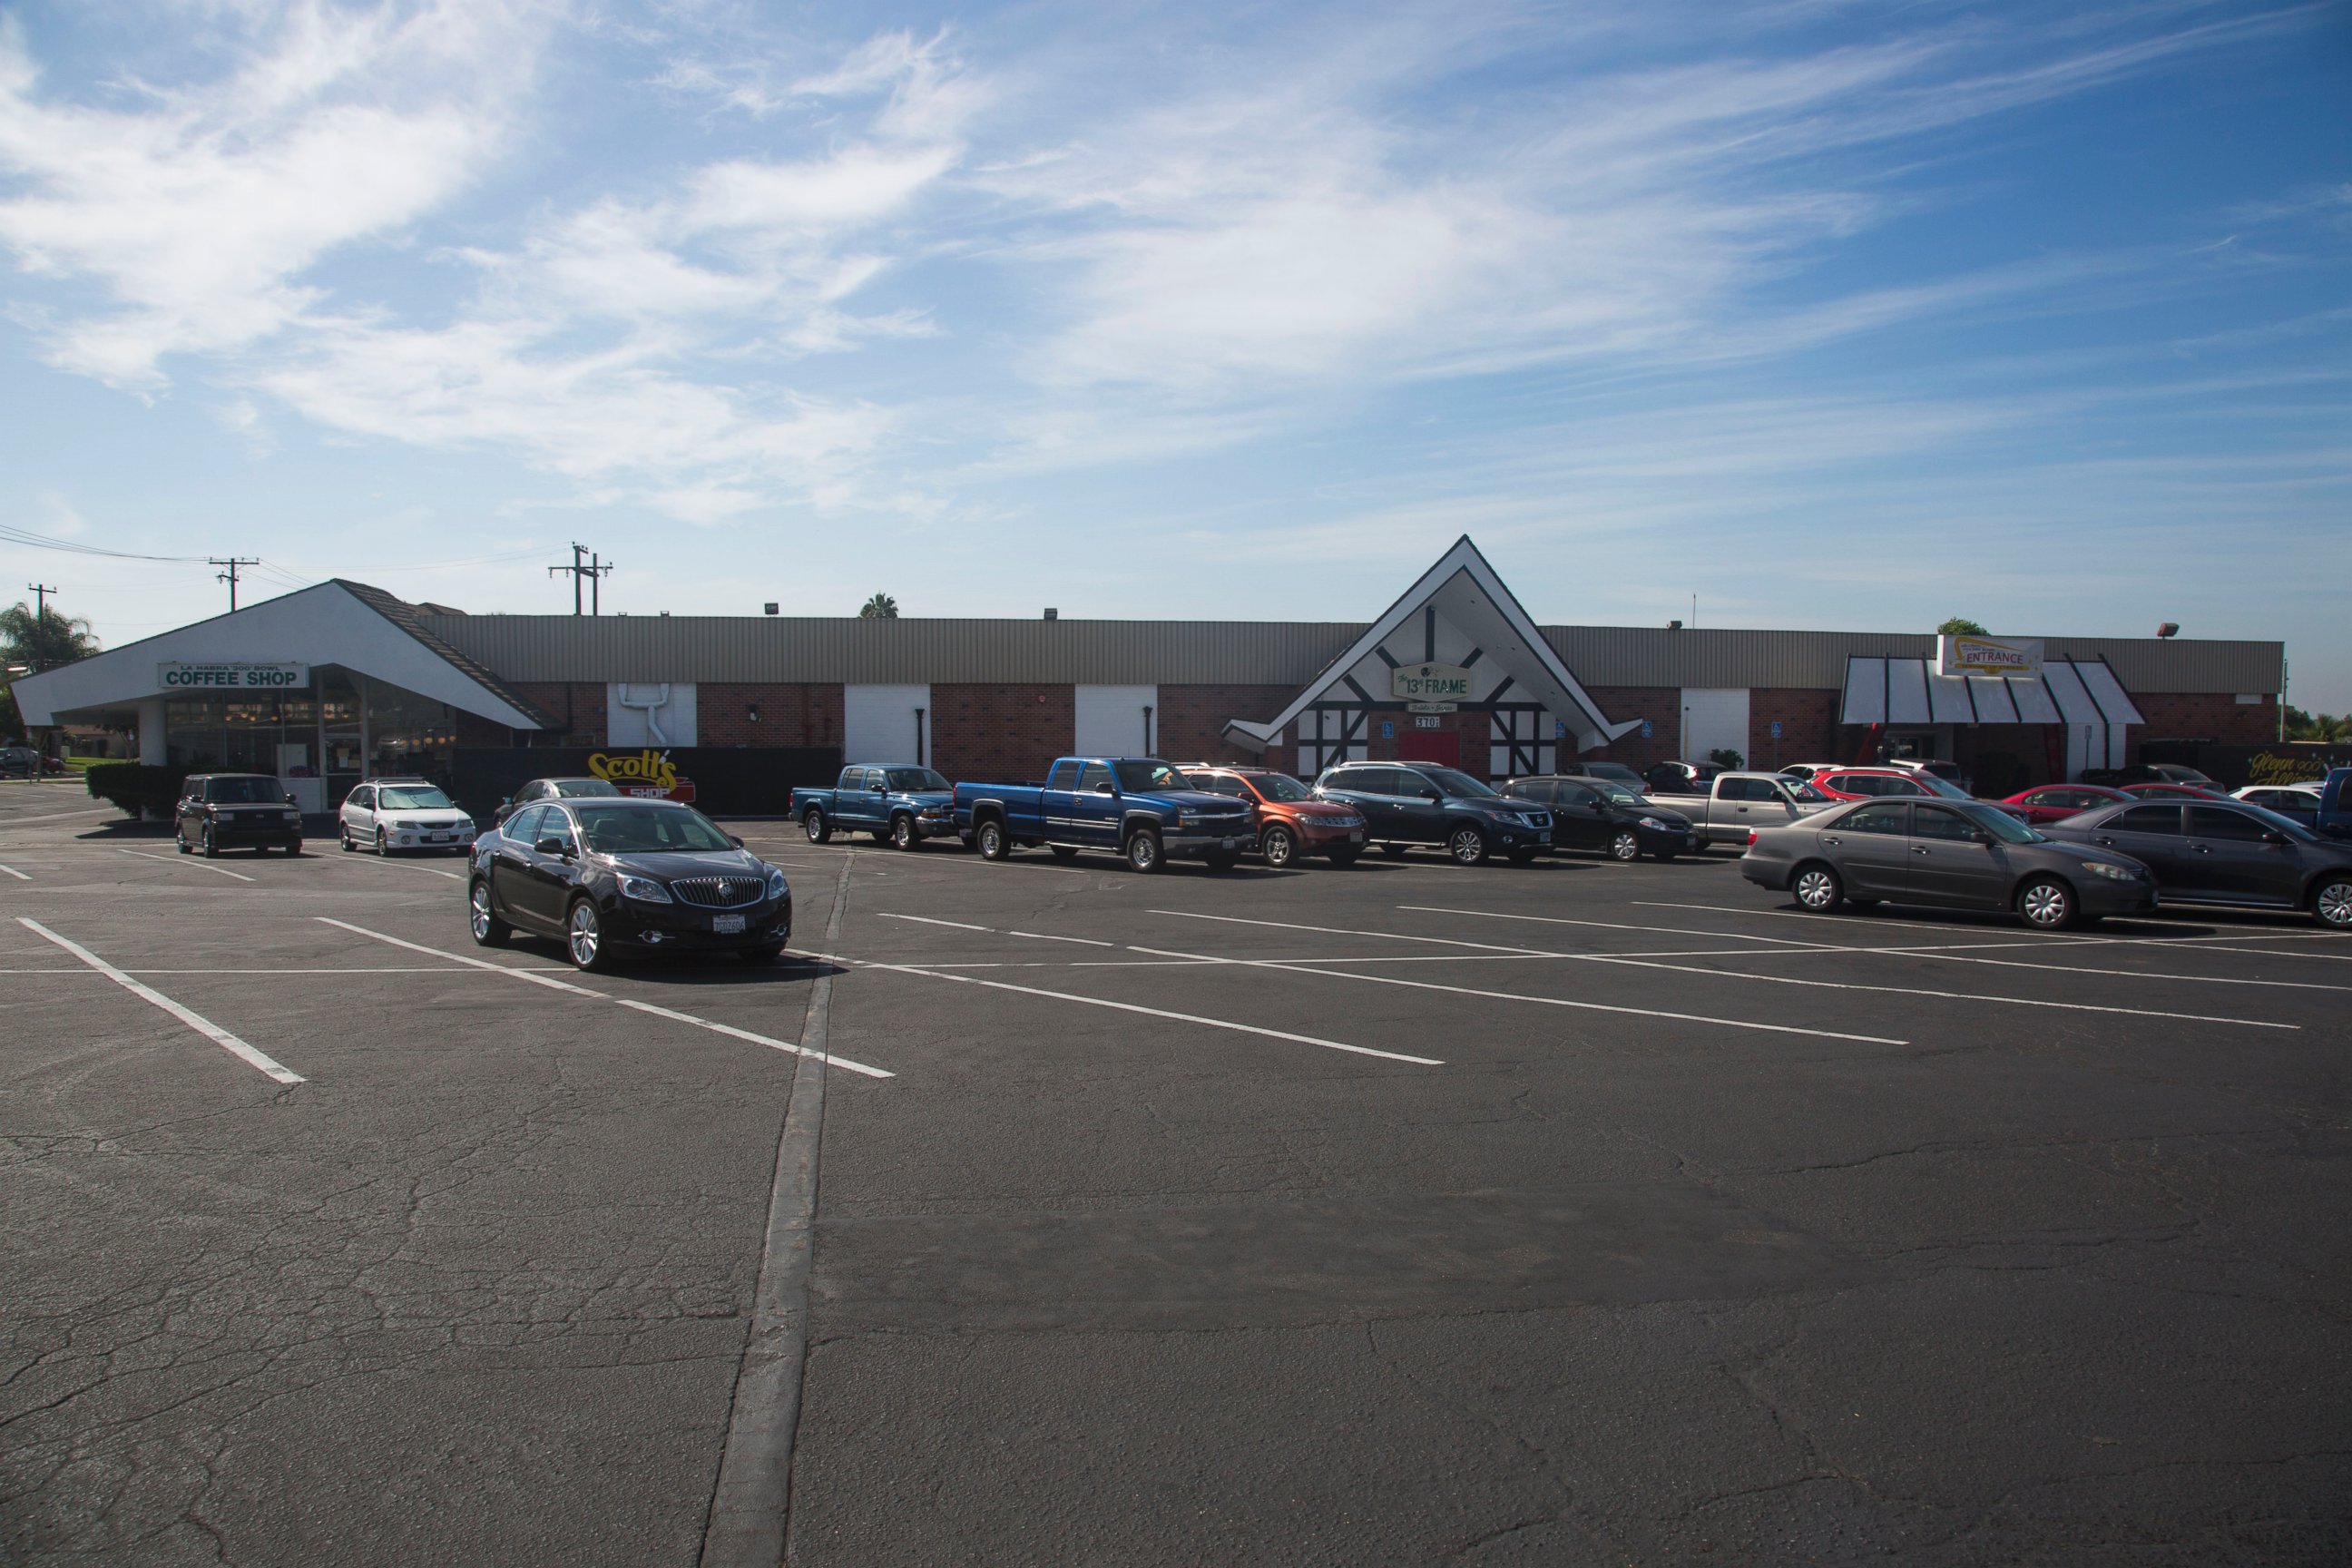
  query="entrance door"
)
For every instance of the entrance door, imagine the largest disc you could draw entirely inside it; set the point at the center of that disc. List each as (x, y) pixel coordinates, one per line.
(1442, 746)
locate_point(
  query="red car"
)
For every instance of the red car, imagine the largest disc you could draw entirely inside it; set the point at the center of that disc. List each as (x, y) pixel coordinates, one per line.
(2049, 803)
(2171, 792)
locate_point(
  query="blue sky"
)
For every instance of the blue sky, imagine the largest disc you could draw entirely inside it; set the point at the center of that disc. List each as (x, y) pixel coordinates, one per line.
(1844, 315)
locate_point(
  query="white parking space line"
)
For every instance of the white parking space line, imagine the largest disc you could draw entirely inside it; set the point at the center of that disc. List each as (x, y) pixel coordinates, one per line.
(1613, 925)
(2153, 934)
(59, 816)
(1137, 1007)
(402, 865)
(1635, 962)
(148, 994)
(193, 865)
(536, 979)
(928, 921)
(369, 969)
(1295, 968)
(15, 873)
(1043, 936)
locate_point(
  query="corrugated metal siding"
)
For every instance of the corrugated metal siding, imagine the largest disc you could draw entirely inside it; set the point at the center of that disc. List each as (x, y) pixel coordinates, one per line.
(762, 649)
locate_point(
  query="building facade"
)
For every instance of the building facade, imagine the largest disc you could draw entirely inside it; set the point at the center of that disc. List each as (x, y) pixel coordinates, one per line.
(341, 680)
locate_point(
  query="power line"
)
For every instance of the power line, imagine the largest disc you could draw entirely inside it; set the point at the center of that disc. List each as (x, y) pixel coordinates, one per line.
(10, 533)
(593, 570)
(229, 576)
(40, 600)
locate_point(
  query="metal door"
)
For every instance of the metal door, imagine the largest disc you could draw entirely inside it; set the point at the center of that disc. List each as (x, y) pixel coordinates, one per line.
(2228, 846)
(1579, 818)
(1871, 847)
(1443, 747)
(1950, 865)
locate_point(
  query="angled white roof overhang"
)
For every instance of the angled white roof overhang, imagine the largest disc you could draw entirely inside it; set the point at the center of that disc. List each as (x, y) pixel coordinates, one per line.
(1909, 692)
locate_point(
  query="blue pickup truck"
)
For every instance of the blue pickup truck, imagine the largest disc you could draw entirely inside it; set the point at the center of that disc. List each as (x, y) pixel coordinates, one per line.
(1139, 807)
(900, 804)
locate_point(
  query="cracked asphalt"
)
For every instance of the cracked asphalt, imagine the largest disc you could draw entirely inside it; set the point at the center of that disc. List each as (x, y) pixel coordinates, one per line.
(1568, 1214)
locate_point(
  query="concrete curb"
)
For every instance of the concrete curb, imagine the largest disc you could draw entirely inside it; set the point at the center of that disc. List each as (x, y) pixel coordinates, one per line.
(750, 1503)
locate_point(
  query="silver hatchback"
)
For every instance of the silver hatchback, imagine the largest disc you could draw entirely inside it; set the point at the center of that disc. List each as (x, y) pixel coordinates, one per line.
(1949, 854)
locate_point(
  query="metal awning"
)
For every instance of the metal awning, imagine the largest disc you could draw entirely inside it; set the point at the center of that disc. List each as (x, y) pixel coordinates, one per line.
(1908, 692)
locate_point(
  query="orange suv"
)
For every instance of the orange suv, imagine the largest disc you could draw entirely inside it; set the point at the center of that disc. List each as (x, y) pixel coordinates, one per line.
(1290, 820)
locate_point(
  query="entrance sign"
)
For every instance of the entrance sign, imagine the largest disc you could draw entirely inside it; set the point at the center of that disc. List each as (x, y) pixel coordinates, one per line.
(1960, 654)
(232, 677)
(1430, 688)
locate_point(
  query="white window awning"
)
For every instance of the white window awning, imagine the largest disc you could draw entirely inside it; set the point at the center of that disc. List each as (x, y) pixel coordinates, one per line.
(1908, 692)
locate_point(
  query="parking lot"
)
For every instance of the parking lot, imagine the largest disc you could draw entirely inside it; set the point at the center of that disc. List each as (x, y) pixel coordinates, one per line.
(1570, 1213)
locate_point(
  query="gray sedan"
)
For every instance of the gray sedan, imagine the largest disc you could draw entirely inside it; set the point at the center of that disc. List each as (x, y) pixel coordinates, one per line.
(1959, 855)
(2223, 852)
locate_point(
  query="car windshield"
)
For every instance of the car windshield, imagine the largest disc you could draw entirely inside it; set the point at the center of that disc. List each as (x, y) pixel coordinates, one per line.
(1801, 789)
(1136, 777)
(650, 829)
(1280, 788)
(584, 789)
(919, 780)
(1616, 794)
(2000, 824)
(1935, 785)
(245, 792)
(412, 797)
(1453, 782)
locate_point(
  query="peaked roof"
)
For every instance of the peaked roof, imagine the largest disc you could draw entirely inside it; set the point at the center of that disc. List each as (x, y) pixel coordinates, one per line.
(1464, 577)
(405, 615)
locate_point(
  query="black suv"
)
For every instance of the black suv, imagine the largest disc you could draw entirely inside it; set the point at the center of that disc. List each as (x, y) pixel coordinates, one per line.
(228, 811)
(1404, 803)
(645, 876)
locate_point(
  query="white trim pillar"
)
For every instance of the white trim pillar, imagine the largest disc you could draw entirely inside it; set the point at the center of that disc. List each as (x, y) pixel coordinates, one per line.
(154, 749)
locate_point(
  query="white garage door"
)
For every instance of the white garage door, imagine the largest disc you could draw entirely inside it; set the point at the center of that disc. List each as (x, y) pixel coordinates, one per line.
(1111, 724)
(1714, 718)
(877, 723)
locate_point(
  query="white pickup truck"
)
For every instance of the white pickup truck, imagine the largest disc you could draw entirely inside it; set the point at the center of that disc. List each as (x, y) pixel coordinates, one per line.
(1735, 803)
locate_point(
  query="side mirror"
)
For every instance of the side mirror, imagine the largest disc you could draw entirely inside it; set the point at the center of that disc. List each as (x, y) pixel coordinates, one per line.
(548, 847)
(1979, 835)
(2273, 836)
(877, 789)
(1106, 787)
(1432, 795)
(735, 841)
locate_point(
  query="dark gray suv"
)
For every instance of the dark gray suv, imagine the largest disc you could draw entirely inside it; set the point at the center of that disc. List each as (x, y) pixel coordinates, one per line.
(1404, 803)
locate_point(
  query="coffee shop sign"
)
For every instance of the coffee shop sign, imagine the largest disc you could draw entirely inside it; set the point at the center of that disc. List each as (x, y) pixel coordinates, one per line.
(1430, 688)
(232, 677)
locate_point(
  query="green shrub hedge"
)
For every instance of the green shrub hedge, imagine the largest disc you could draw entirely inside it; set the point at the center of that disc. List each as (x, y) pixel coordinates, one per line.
(138, 788)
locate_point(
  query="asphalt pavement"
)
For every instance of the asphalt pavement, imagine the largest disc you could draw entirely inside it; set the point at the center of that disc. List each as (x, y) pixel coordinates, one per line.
(1410, 1213)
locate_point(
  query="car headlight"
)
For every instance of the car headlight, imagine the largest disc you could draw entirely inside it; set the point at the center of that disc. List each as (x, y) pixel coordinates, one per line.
(776, 885)
(1176, 820)
(2111, 873)
(1654, 826)
(644, 889)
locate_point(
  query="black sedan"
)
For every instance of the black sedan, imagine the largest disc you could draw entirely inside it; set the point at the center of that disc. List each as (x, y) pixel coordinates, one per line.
(610, 877)
(1959, 855)
(2222, 852)
(232, 811)
(557, 789)
(1593, 812)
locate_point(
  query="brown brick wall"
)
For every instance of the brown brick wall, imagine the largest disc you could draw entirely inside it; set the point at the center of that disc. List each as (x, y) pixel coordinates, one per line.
(2204, 716)
(802, 714)
(1189, 725)
(1660, 705)
(1808, 726)
(587, 710)
(1001, 733)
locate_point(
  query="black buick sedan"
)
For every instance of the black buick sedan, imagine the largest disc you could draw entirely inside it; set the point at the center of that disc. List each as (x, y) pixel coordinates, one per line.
(625, 876)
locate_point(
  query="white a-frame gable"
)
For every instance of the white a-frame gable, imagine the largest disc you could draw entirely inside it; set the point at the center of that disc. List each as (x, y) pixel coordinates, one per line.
(1458, 613)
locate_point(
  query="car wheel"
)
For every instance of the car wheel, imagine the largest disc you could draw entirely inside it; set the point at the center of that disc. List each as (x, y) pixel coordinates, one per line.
(343, 837)
(2331, 903)
(382, 843)
(488, 929)
(994, 843)
(1467, 845)
(180, 840)
(903, 836)
(1279, 845)
(1818, 889)
(211, 848)
(1143, 851)
(1625, 846)
(1344, 857)
(766, 953)
(1394, 851)
(583, 937)
(2047, 904)
(818, 829)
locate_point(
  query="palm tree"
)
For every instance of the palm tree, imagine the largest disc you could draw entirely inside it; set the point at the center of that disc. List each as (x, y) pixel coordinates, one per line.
(880, 607)
(44, 639)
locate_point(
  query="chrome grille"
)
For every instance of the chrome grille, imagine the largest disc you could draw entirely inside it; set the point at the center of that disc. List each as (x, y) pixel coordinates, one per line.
(719, 892)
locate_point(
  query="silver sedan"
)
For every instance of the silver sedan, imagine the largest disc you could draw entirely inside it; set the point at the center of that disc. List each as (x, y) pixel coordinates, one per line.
(1951, 853)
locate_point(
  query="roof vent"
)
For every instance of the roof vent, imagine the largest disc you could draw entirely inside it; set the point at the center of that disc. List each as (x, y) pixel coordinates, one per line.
(1052, 614)
(768, 608)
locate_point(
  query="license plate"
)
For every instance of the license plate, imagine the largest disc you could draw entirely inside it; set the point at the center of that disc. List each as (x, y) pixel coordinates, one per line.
(443, 837)
(1232, 843)
(727, 925)
(1355, 839)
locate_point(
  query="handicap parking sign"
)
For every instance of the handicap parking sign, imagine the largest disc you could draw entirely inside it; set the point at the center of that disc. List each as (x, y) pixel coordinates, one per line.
(1387, 729)
(1645, 728)
(1776, 729)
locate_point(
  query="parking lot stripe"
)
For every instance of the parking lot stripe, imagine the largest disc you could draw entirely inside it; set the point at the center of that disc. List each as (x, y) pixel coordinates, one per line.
(1046, 936)
(553, 984)
(1613, 925)
(925, 920)
(1638, 961)
(1137, 1007)
(15, 873)
(194, 865)
(2152, 937)
(148, 994)
(402, 865)
(1297, 968)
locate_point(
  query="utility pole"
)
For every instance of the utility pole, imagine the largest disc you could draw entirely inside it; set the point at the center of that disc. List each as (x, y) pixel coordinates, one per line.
(40, 600)
(593, 569)
(229, 576)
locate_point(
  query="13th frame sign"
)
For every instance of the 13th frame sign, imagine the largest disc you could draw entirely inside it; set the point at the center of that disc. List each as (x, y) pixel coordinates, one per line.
(1430, 688)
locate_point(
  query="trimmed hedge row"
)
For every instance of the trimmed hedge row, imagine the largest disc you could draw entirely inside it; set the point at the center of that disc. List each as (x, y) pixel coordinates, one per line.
(138, 788)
